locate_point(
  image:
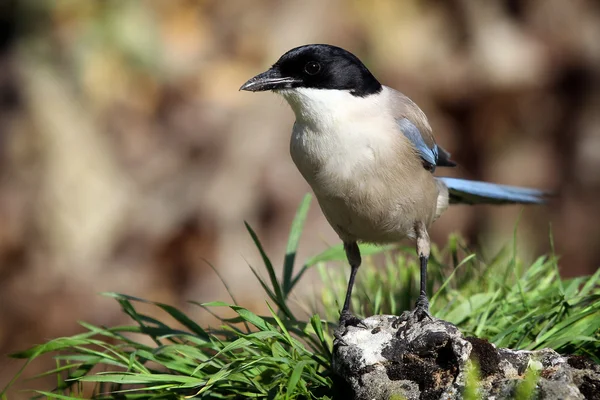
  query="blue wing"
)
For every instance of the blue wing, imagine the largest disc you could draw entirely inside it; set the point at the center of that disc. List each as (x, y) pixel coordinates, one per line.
(474, 192)
(428, 154)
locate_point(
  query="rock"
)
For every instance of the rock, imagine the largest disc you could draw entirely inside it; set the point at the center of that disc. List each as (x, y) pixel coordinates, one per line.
(393, 359)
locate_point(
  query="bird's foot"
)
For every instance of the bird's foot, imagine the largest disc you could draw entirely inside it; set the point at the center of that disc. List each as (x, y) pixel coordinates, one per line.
(421, 310)
(420, 313)
(346, 320)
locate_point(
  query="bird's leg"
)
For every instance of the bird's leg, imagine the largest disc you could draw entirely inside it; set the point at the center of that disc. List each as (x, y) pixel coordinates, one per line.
(423, 249)
(346, 318)
(421, 310)
(353, 255)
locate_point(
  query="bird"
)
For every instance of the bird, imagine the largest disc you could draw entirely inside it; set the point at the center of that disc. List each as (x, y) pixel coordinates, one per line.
(369, 155)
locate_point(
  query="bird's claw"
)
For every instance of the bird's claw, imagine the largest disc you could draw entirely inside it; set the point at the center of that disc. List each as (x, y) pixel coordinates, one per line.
(420, 313)
(421, 310)
(346, 320)
(402, 318)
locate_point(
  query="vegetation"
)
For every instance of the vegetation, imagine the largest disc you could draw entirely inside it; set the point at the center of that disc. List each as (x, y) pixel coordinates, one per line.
(284, 356)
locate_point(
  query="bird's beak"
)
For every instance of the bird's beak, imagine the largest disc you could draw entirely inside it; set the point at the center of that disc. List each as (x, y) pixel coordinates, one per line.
(268, 80)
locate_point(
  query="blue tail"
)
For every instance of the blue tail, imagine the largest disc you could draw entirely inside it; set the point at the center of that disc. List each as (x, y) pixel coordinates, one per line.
(463, 191)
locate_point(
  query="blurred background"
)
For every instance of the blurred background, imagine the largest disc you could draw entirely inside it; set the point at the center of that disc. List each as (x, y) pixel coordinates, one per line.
(128, 158)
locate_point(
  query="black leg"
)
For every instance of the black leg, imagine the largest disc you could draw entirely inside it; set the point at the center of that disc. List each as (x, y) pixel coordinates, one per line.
(423, 248)
(346, 318)
(423, 260)
(422, 305)
(421, 310)
(353, 255)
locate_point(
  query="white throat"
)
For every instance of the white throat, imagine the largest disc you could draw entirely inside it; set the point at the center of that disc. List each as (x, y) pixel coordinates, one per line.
(322, 107)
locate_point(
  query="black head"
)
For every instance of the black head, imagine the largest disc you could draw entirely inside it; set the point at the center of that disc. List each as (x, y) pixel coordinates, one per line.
(317, 66)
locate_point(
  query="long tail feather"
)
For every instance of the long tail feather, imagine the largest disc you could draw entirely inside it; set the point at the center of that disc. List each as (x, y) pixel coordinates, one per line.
(463, 191)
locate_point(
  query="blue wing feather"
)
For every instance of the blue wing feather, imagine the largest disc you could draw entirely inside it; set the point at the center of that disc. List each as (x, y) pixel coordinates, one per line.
(474, 192)
(428, 154)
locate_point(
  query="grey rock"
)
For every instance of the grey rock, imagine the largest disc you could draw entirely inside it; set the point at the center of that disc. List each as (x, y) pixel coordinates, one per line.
(392, 358)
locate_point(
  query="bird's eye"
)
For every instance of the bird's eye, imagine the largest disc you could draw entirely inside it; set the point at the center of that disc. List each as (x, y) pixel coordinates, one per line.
(312, 67)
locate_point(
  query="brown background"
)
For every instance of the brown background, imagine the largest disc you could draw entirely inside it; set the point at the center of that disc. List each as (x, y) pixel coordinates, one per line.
(128, 156)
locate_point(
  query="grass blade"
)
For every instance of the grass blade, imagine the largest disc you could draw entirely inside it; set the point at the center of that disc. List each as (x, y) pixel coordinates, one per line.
(292, 244)
(279, 298)
(295, 377)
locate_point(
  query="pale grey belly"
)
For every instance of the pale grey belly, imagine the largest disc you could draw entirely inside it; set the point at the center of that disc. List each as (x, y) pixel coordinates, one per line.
(362, 219)
(367, 197)
(372, 207)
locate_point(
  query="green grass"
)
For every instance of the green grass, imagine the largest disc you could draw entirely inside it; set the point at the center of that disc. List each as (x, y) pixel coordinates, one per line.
(285, 356)
(501, 300)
